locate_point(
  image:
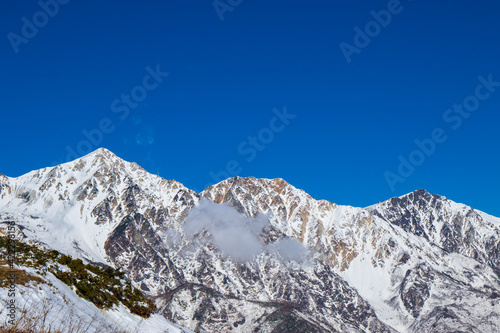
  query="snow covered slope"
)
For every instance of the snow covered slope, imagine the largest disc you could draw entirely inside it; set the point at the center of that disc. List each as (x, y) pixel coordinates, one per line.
(73, 207)
(106, 210)
(452, 226)
(418, 263)
(412, 280)
(51, 303)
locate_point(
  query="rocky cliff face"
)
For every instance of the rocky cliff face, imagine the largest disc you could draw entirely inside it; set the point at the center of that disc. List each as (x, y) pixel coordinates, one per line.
(454, 227)
(410, 264)
(4, 186)
(390, 253)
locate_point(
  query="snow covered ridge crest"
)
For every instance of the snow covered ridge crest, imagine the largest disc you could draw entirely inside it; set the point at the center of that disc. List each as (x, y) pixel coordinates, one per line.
(415, 263)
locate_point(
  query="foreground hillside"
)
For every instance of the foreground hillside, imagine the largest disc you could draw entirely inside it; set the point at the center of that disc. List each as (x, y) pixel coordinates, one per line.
(56, 293)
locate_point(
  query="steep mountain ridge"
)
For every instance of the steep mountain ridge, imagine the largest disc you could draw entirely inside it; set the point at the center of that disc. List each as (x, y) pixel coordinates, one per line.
(85, 199)
(403, 268)
(452, 226)
(104, 209)
(383, 268)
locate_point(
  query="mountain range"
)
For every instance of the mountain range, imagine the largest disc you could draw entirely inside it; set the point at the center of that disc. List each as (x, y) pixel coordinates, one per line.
(256, 255)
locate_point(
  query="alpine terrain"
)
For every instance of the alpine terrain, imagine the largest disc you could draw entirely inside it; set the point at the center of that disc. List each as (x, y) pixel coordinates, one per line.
(244, 255)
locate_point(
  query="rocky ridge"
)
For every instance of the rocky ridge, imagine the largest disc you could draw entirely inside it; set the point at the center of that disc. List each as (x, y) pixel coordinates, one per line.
(419, 262)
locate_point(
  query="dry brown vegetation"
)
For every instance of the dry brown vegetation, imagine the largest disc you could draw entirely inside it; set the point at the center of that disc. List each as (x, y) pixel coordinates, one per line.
(21, 277)
(36, 318)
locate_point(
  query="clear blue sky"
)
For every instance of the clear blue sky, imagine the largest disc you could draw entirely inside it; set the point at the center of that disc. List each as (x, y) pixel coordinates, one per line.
(353, 120)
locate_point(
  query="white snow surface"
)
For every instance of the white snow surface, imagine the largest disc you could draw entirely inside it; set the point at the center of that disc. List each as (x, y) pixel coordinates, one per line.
(59, 212)
(65, 310)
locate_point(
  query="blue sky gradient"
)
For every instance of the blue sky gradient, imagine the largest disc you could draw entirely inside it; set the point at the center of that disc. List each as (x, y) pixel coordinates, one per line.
(350, 122)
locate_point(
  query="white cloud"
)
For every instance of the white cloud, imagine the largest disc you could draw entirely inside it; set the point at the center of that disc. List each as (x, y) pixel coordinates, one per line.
(290, 249)
(235, 235)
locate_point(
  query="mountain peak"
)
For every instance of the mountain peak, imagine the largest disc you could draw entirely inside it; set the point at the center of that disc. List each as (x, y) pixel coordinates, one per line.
(102, 153)
(278, 184)
(238, 179)
(420, 193)
(250, 179)
(102, 157)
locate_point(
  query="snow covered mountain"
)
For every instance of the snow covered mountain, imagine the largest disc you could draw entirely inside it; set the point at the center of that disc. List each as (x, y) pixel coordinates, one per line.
(419, 263)
(454, 227)
(412, 283)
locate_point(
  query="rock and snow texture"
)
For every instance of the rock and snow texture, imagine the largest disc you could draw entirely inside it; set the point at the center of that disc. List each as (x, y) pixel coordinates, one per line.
(391, 253)
(454, 227)
(53, 305)
(73, 207)
(418, 263)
